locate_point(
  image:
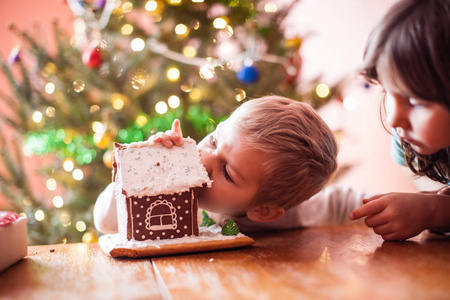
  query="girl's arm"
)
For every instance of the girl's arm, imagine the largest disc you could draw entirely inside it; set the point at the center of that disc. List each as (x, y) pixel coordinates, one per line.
(398, 216)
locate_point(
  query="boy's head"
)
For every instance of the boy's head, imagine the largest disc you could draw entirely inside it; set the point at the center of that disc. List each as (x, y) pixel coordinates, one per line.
(277, 152)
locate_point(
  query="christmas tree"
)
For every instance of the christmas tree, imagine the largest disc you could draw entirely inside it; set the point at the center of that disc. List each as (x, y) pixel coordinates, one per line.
(130, 69)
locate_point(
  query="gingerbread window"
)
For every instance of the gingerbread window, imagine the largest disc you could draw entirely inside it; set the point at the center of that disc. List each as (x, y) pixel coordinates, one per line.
(161, 215)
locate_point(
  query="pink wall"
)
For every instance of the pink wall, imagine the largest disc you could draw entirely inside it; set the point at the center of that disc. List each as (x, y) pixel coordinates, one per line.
(24, 13)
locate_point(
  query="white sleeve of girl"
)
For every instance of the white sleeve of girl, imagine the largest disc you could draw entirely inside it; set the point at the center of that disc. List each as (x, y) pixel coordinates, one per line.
(105, 211)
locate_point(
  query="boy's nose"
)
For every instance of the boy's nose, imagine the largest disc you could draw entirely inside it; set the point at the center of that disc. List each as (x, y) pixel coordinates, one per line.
(205, 158)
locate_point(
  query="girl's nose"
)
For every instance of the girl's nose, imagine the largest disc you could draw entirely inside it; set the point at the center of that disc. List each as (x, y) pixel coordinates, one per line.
(396, 112)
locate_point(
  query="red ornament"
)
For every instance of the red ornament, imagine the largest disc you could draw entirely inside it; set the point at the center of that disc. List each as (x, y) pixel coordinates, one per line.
(92, 57)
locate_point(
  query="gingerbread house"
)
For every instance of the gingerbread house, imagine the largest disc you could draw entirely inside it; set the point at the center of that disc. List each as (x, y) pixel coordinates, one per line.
(156, 189)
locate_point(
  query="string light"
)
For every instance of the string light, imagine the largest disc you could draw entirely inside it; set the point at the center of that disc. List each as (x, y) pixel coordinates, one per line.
(173, 74)
(240, 95)
(39, 215)
(50, 111)
(49, 69)
(68, 165)
(77, 174)
(207, 72)
(174, 101)
(270, 7)
(219, 23)
(51, 184)
(37, 117)
(127, 29)
(195, 94)
(151, 5)
(161, 107)
(174, 2)
(141, 121)
(58, 201)
(322, 90)
(94, 108)
(64, 219)
(137, 44)
(127, 7)
(78, 86)
(189, 51)
(80, 226)
(50, 88)
(97, 127)
(181, 29)
(118, 104)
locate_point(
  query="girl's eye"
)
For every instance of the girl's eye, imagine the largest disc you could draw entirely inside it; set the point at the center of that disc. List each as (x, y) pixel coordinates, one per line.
(212, 140)
(226, 175)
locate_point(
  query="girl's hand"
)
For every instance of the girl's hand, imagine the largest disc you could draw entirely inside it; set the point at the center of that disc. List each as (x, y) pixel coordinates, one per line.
(396, 216)
(170, 137)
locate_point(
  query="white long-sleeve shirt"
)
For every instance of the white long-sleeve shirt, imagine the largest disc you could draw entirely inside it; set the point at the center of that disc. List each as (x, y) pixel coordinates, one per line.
(329, 207)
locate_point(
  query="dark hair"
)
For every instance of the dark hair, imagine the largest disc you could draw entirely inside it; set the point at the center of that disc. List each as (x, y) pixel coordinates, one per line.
(414, 37)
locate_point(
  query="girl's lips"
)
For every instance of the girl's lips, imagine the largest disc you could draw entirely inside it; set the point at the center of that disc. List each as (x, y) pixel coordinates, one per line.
(409, 141)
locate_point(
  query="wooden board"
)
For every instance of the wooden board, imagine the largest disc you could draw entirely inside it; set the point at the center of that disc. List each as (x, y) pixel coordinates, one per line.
(77, 271)
(341, 262)
(116, 246)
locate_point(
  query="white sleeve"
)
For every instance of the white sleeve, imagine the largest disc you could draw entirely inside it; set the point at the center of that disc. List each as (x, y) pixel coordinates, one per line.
(331, 206)
(105, 211)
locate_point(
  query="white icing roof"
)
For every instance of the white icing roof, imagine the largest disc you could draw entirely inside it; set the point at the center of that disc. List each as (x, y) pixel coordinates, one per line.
(148, 170)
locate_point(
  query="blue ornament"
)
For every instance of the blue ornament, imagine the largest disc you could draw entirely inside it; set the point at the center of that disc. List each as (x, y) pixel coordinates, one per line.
(248, 75)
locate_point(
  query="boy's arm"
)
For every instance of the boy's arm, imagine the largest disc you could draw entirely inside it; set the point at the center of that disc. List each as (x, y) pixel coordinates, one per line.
(105, 211)
(328, 207)
(331, 206)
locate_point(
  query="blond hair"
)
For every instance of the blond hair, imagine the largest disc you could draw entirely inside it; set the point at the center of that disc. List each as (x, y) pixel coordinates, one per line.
(300, 149)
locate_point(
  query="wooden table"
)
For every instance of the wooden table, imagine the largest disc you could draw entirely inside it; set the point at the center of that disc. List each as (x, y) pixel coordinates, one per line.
(341, 262)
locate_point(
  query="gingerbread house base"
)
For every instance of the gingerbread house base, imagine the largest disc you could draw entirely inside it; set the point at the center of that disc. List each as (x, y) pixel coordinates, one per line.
(209, 239)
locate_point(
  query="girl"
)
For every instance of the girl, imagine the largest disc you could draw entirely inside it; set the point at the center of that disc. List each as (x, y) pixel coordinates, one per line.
(408, 53)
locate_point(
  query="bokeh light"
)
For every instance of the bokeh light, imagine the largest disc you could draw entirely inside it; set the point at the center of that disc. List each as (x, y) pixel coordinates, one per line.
(174, 101)
(322, 90)
(77, 174)
(39, 215)
(161, 107)
(137, 44)
(50, 88)
(58, 201)
(173, 74)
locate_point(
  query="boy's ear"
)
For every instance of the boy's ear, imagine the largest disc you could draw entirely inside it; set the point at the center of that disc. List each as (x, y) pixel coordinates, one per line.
(265, 213)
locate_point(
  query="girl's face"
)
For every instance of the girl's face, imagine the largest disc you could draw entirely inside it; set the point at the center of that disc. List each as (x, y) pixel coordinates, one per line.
(425, 125)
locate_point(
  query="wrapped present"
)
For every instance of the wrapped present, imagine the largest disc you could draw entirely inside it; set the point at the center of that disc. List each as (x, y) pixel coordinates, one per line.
(13, 239)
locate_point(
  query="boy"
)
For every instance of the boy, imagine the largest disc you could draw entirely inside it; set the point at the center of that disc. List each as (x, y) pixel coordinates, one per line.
(269, 156)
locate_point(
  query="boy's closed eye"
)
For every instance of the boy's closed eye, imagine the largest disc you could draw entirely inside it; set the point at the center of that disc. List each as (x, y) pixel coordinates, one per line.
(225, 172)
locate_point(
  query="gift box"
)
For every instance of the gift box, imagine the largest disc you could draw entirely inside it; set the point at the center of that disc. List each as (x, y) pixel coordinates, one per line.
(13, 239)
